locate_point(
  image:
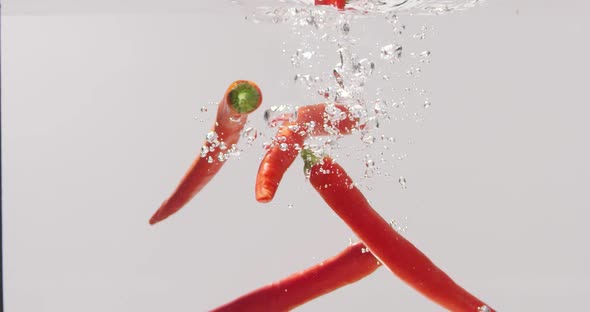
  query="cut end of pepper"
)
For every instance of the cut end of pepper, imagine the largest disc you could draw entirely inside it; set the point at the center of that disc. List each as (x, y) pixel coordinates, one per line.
(244, 96)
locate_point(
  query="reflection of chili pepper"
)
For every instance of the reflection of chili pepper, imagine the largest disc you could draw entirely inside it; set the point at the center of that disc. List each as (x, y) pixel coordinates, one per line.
(312, 120)
(349, 266)
(337, 3)
(241, 98)
(398, 254)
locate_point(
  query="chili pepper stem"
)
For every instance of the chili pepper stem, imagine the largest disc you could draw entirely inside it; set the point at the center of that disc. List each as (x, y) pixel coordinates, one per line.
(241, 98)
(309, 159)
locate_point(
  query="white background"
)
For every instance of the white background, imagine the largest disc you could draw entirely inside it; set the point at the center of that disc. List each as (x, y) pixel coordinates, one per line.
(98, 117)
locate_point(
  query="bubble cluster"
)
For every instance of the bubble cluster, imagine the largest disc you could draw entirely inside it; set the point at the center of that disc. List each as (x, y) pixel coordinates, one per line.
(216, 149)
(250, 134)
(391, 52)
(378, 82)
(400, 227)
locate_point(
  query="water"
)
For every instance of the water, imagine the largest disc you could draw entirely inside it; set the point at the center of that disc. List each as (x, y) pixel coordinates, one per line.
(250, 134)
(276, 115)
(378, 80)
(131, 83)
(98, 127)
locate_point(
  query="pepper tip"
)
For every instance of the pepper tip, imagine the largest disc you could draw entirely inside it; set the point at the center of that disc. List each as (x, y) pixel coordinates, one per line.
(264, 195)
(157, 217)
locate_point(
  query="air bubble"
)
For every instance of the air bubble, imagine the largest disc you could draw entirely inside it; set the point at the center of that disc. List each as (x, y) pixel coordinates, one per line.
(294, 127)
(325, 93)
(204, 151)
(338, 77)
(307, 54)
(368, 139)
(274, 115)
(250, 134)
(211, 136)
(345, 28)
(402, 181)
(363, 68)
(235, 119)
(391, 52)
(392, 18)
(399, 227)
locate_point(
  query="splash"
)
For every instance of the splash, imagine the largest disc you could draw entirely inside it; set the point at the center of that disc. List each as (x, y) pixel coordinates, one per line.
(422, 7)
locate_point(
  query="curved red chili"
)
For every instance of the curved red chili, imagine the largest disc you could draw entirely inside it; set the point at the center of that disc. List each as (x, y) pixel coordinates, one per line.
(241, 98)
(312, 120)
(349, 266)
(398, 254)
(279, 157)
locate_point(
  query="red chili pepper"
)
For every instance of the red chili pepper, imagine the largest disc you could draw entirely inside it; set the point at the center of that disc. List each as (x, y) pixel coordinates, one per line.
(276, 161)
(337, 3)
(241, 98)
(349, 266)
(398, 254)
(312, 120)
(319, 119)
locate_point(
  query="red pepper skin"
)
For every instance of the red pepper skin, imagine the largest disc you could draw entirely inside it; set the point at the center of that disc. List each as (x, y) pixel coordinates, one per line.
(337, 3)
(276, 161)
(316, 114)
(229, 123)
(398, 254)
(349, 266)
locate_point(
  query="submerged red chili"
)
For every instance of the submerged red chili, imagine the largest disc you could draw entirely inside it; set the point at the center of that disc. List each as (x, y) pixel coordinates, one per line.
(347, 267)
(241, 98)
(312, 120)
(398, 254)
(337, 3)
